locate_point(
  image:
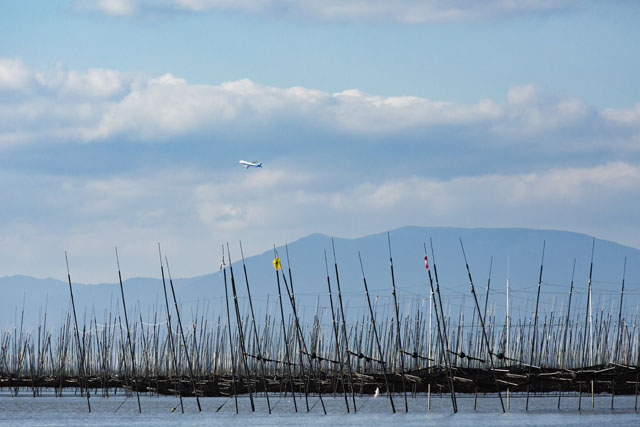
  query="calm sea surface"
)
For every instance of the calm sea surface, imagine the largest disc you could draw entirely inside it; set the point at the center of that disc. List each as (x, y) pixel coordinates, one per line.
(24, 411)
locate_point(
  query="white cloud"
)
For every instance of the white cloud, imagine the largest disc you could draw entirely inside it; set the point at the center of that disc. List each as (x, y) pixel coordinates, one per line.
(99, 104)
(114, 7)
(13, 74)
(407, 11)
(529, 110)
(96, 83)
(628, 116)
(363, 113)
(58, 104)
(63, 83)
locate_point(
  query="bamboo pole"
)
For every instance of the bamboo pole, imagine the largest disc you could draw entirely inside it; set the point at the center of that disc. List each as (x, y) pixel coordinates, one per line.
(535, 323)
(80, 349)
(184, 341)
(587, 324)
(398, 337)
(257, 339)
(375, 333)
(443, 345)
(172, 348)
(232, 353)
(484, 334)
(284, 333)
(240, 331)
(344, 329)
(338, 354)
(126, 322)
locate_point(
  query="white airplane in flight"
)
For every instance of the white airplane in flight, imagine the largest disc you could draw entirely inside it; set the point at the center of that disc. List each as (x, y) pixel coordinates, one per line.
(247, 165)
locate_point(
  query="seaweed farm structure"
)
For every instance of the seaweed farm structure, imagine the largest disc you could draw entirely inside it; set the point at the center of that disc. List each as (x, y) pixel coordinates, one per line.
(394, 352)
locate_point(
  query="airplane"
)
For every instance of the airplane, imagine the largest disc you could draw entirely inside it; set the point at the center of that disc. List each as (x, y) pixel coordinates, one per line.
(247, 165)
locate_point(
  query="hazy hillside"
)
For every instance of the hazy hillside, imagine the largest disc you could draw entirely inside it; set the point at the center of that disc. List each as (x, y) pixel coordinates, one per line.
(522, 246)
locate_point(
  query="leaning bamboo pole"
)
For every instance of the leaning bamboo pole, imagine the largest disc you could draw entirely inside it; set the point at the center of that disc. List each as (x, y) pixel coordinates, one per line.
(375, 333)
(126, 320)
(82, 371)
(443, 345)
(398, 336)
(535, 323)
(240, 331)
(587, 324)
(170, 343)
(231, 352)
(338, 354)
(184, 341)
(257, 339)
(484, 334)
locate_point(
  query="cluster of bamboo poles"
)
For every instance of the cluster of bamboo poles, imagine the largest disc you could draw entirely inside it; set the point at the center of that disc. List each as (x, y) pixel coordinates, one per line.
(381, 350)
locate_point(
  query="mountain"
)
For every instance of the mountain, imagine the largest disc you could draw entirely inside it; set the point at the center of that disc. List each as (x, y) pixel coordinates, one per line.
(523, 248)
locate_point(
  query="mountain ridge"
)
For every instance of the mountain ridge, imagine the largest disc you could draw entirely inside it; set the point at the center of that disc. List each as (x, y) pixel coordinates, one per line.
(523, 246)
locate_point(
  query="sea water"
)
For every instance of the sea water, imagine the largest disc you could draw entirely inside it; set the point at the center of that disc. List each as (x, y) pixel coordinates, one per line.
(120, 410)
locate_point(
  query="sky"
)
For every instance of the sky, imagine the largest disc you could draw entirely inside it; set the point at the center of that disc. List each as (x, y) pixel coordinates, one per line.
(122, 123)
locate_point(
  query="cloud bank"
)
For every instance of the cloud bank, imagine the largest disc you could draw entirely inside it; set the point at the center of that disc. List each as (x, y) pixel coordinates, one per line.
(193, 211)
(101, 104)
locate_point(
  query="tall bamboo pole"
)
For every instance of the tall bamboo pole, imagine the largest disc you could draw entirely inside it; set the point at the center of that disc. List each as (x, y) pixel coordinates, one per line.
(338, 353)
(443, 345)
(80, 347)
(484, 333)
(277, 265)
(375, 333)
(184, 340)
(398, 337)
(126, 323)
(535, 324)
(344, 329)
(615, 352)
(234, 390)
(171, 344)
(444, 328)
(587, 316)
(255, 330)
(240, 331)
(566, 327)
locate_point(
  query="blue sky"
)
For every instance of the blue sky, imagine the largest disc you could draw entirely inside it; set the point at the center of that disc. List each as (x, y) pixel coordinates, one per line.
(584, 49)
(122, 122)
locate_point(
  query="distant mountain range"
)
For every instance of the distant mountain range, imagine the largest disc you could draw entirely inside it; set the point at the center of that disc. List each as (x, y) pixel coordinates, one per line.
(522, 247)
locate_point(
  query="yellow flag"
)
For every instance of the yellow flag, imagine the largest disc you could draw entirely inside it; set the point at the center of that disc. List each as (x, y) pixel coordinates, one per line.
(276, 263)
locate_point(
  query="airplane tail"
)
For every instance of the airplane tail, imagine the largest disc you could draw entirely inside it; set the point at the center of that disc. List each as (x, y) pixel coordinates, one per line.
(259, 165)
